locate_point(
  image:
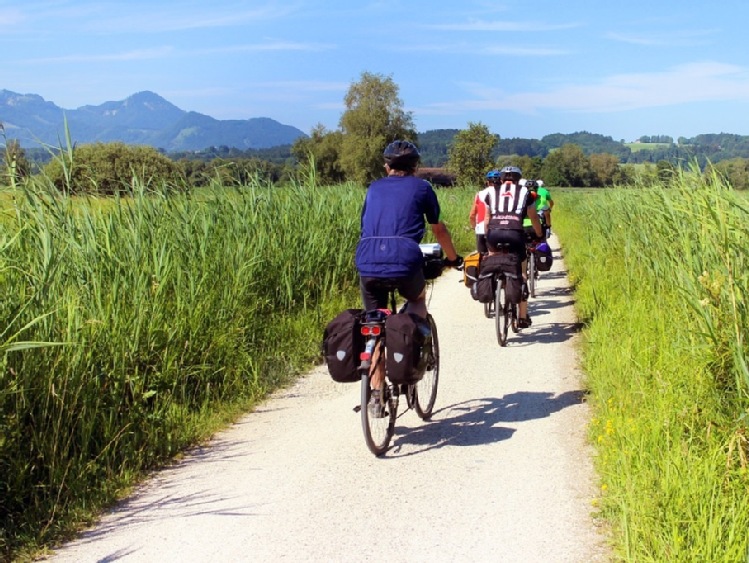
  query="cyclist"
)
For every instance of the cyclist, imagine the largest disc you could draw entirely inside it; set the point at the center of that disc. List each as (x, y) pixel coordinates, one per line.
(478, 211)
(392, 226)
(532, 186)
(508, 204)
(544, 204)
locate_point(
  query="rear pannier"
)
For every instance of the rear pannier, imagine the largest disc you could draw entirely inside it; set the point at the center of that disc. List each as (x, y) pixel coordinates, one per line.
(341, 345)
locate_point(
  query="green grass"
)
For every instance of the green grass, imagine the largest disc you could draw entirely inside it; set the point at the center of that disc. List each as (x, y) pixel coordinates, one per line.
(661, 279)
(636, 147)
(132, 328)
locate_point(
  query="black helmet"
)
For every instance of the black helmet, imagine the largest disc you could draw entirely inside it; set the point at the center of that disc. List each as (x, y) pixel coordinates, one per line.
(401, 155)
(531, 184)
(512, 173)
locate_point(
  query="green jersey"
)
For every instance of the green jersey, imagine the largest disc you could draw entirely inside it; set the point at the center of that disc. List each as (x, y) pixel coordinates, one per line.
(543, 202)
(543, 199)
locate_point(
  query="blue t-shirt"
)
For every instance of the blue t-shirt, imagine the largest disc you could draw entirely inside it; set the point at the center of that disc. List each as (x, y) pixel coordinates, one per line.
(392, 226)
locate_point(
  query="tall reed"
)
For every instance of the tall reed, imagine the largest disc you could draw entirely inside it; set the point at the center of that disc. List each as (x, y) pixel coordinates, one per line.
(133, 327)
(662, 278)
(125, 321)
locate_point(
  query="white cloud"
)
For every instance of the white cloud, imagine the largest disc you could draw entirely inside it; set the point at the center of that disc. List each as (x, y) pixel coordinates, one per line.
(179, 20)
(267, 46)
(500, 25)
(667, 39)
(306, 85)
(133, 55)
(695, 82)
(474, 49)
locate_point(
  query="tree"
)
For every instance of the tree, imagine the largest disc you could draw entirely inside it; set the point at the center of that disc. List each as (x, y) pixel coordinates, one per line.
(735, 171)
(17, 166)
(531, 166)
(470, 155)
(373, 118)
(567, 166)
(321, 154)
(604, 168)
(666, 172)
(109, 168)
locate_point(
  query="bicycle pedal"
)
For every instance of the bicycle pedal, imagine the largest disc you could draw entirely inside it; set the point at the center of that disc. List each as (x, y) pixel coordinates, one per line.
(357, 408)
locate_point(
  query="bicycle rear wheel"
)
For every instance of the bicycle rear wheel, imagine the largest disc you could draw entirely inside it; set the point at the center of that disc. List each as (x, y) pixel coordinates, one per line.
(378, 427)
(532, 274)
(426, 388)
(502, 312)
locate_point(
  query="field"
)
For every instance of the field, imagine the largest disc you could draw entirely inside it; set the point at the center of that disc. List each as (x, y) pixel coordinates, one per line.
(636, 147)
(661, 283)
(135, 327)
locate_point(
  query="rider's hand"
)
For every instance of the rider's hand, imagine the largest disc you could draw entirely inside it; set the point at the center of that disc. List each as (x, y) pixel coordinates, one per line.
(457, 263)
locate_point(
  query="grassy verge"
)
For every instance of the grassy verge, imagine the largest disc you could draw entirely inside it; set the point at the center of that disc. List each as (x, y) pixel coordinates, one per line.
(661, 278)
(132, 328)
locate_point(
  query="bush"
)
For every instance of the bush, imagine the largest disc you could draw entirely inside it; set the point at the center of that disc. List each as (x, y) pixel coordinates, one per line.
(109, 168)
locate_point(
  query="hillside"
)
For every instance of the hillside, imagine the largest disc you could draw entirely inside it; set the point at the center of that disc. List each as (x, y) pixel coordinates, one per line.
(144, 118)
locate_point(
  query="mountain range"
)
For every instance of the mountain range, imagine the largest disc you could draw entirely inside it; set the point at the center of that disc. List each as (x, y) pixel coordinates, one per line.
(145, 118)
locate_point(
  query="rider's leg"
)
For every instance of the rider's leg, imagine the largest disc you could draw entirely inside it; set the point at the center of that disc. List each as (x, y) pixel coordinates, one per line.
(523, 309)
(374, 297)
(481, 244)
(377, 370)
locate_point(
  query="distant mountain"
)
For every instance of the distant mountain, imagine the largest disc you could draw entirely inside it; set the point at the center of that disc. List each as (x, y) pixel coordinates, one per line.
(144, 118)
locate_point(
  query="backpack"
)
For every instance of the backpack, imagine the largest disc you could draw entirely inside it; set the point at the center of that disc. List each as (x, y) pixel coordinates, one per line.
(544, 257)
(403, 340)
(342, 342)
(471, 264)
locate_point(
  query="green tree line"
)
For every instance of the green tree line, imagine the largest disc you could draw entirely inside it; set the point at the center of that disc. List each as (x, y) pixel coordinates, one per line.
(373, 117)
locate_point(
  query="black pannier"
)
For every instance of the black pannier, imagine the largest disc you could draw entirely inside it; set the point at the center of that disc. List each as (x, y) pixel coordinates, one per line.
(404, 341)
(341, 345)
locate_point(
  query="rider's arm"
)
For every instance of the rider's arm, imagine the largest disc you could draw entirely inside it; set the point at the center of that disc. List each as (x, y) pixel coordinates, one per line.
(474, 212)
(445, 240)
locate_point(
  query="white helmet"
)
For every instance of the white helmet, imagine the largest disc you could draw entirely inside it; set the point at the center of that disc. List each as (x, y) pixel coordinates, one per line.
(540, 183)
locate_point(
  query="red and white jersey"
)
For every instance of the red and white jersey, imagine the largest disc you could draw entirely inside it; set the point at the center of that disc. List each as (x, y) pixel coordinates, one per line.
(481, 209)
(507, 205)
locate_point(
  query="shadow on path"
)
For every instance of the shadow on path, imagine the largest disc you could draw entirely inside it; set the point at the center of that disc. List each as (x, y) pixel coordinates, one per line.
(481, 421)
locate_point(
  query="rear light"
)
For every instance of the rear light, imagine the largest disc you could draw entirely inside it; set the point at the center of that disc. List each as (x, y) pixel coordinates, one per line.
(365, 356)
(373, 330)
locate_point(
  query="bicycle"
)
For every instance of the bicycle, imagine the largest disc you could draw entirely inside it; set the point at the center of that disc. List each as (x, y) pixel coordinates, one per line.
(531, 269)
(379, 427)
(508, 316)
(508, 311)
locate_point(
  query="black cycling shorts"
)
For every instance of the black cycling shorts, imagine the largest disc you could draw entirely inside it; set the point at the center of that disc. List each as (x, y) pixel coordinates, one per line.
(374, 291)
(514, 241)
(481, 244)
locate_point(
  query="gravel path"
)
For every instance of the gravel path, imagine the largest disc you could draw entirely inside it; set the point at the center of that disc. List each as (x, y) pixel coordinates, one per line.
(501, 473)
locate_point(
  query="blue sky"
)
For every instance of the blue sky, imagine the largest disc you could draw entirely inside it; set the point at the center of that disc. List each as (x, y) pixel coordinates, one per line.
(523, 68)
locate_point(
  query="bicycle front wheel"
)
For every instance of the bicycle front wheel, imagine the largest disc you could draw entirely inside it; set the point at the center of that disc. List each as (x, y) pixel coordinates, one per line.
(426, 388)
(378, 423)
(501, 312)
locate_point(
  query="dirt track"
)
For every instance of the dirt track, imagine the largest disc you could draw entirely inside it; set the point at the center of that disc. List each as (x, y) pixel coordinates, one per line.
(501, 473)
